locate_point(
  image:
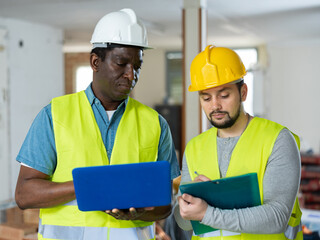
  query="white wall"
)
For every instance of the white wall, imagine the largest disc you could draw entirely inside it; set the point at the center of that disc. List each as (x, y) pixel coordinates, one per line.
(292, 88)
(35, 62)
(151, 86)
(5, 192)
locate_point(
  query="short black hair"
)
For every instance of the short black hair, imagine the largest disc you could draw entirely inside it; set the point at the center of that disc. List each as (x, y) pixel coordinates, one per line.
(100, 52)
(239, 84)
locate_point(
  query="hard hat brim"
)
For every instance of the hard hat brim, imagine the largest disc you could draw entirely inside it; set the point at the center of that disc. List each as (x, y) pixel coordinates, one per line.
(106, 45)
(193, 89)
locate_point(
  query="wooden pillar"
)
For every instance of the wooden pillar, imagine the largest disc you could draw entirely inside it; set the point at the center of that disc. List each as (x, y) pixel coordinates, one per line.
(194, 31)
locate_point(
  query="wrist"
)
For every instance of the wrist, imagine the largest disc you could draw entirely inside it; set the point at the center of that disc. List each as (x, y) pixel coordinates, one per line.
(207, 215)
(203, 212)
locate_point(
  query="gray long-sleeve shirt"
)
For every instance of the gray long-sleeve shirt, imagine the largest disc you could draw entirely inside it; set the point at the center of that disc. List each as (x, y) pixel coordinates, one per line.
(280, 186)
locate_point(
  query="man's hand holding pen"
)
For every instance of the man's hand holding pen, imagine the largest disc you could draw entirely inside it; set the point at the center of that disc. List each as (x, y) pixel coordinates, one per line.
(193, 208)
(201, 178)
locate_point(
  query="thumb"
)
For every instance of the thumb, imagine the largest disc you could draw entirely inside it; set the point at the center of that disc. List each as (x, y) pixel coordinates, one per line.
(149, 208)
(188, 198)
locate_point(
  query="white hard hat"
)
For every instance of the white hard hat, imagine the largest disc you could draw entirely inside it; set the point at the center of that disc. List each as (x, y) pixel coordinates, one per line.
(122, 27)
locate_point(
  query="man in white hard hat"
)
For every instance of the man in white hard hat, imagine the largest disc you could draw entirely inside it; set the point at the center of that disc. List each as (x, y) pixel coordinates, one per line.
(70, 131)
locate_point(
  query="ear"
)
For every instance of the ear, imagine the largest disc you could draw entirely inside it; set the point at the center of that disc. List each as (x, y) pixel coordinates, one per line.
(95, 62)
(244, 92)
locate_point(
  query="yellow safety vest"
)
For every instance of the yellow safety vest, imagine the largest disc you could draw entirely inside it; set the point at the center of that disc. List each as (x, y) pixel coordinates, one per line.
(250, 155)
(79, 144)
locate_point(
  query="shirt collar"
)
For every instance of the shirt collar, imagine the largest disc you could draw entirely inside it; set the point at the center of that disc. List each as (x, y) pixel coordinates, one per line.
(93, 99)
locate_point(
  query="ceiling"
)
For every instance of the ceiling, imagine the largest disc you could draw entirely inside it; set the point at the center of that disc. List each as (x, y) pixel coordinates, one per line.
(230, 22)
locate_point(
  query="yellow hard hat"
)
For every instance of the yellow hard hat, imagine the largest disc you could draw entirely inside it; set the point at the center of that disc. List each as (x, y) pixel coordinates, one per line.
(214, 67)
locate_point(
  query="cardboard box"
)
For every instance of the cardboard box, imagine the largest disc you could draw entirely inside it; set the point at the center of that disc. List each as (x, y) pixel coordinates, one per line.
(31, 216)
(10, 233)
(14, 215)
(20, 224)
(33, 236)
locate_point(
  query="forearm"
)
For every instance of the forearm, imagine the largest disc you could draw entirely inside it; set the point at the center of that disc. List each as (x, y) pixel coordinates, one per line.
(265, 219)
(41, 193)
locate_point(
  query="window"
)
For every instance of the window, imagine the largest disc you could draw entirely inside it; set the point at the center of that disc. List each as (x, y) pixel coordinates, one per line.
(249, 58)
(83, 77)
(174, 78)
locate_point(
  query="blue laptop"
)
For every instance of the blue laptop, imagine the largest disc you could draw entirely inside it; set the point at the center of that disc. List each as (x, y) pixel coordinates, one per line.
(123, 186)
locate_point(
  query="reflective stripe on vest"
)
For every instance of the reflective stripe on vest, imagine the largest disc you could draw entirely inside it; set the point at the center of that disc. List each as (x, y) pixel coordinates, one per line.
(79, 144)
(72, 203)
(228, 233)
(209, 234)
(218, 233)
(122, 233)
(95, 233)
(201, 156)
(292, 232)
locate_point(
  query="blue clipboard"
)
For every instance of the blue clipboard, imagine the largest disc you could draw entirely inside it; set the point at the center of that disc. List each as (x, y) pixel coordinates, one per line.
(225, 193)
(122, 186)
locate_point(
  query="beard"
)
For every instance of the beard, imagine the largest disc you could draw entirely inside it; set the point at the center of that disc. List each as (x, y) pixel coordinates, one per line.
(228, 122)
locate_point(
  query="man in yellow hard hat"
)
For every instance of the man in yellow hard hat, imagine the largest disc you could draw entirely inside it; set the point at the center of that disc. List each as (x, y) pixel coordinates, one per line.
(239, 144)
(99, 126)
